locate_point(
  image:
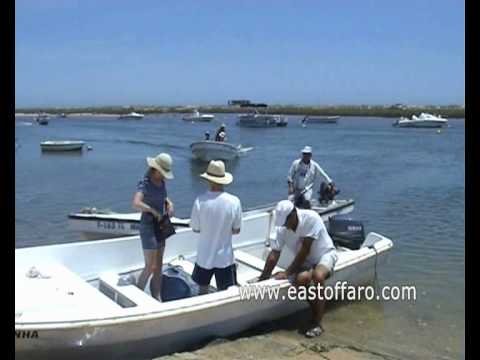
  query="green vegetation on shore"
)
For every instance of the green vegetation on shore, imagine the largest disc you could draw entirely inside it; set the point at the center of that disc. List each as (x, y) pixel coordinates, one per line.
(451, 111)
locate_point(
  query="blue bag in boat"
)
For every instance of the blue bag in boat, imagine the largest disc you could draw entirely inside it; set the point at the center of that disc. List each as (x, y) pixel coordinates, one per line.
(177, 284)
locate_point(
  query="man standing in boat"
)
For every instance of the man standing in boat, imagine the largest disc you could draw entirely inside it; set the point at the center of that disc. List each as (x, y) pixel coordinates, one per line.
(303, 232)
(302, 176)
(221, 134)
(216, 216)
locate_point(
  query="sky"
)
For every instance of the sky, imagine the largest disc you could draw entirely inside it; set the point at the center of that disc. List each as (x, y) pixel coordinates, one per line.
(193, 52)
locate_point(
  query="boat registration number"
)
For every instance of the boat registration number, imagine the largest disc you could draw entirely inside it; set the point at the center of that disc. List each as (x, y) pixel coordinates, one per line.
(112, 225)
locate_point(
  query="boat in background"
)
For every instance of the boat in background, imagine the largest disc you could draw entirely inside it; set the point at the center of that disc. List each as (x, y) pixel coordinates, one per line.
(320, 119)
(132, 115)
(102, 224)
(423, 121)
(196, 116)
(256, 119)
(79, 300)
(42, 119)
(63, 145)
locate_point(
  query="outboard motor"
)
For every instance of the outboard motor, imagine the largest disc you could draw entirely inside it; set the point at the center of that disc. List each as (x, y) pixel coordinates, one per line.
(177, 284)
(346, 232)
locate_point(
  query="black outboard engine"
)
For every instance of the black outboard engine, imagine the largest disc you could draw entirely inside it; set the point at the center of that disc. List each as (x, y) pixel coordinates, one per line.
(327, 192)
(346, 232)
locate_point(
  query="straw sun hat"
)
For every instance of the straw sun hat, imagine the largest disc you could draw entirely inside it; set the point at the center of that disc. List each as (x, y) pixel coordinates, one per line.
(163, 163)
(216, 173)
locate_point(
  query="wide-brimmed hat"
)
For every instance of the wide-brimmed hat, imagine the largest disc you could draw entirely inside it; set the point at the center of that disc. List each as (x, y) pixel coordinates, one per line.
(282, 210)
(216, 173)
(307, 150)
(163, 163)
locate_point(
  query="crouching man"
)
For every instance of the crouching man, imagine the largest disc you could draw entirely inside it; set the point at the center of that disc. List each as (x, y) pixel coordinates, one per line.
(304, 233)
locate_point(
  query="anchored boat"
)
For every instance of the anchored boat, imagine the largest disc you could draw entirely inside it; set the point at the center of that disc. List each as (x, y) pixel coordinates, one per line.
(423, 121)
(320, 119)
(196, 116)
(132, 115)
(96, 224)
(71, 302)
(66, 145)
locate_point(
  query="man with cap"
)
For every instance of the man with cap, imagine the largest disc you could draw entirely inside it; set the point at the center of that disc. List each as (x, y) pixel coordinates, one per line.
(302, 176)
(216, 216)
(303, 232)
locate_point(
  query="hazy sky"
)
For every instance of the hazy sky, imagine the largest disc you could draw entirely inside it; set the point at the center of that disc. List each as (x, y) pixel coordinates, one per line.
(160, 52)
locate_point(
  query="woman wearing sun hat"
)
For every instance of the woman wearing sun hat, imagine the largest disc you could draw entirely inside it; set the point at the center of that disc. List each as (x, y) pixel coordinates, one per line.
(151, 199)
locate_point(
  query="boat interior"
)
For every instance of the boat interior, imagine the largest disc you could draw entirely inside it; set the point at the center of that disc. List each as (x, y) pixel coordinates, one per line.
(85, 290)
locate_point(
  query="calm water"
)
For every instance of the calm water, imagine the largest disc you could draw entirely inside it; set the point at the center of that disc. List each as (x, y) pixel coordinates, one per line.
(408, 184)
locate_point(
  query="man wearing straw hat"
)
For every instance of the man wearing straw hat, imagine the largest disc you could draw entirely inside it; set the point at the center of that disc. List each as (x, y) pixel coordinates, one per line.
(216, 216)
(302, 176)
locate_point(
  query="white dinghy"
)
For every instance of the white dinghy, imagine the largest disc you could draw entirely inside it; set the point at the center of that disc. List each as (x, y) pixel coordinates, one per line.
(70, 305)
(208, 150)
(66, 145)
(98, 224)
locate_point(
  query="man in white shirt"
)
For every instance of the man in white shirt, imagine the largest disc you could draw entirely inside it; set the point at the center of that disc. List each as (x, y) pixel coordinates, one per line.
(216, 216)
(304, 234)
(302, 176)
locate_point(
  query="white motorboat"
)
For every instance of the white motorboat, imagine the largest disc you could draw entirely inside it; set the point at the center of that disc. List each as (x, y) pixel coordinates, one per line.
(66, 145)
(98, 224)
(103, 224)
(132, 115)
(320, 119)
(423, 121)
(196, 116)
(71, 302)
(216, 150)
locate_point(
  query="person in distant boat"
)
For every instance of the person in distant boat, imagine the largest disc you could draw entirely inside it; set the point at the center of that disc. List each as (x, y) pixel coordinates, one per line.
(315, 255)
(207, 135)
(303, 175)
(221, 134)
(216, 216)
(151, 199)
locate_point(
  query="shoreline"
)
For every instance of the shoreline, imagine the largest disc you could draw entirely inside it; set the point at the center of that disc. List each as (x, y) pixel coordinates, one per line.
(343, 111)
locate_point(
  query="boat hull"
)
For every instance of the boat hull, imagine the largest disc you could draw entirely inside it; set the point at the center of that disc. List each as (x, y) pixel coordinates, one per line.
(322, 119)
(201, 118)
(71, 146)
(103, 226)
(420, 124)
(261, 121)
(214, 150)
(138, 333)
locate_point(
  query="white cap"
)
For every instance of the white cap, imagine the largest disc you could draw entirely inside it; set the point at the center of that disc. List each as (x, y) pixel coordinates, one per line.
(282, 210)
(307, 150)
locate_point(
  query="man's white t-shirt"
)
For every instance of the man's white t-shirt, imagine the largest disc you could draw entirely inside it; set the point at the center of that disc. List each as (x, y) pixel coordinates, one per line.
(214, 215)
(303, 175)
(310, 224)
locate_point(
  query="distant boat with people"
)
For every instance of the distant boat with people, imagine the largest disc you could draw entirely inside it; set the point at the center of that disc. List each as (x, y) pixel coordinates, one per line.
(425, 120)
(132, 115)
(257, 119)
(42, 119)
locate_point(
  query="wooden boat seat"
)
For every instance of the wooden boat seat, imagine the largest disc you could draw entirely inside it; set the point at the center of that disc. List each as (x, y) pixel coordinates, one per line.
(254, 263)
(126, 295)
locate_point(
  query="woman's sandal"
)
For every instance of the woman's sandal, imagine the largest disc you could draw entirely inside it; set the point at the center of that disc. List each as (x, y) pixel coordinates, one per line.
(314, 332)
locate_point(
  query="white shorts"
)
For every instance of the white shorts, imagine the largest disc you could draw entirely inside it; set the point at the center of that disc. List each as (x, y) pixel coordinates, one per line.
(328, 260)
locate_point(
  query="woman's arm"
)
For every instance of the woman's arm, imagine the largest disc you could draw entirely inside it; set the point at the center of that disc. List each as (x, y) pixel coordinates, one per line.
(169, 207)
(138, 204)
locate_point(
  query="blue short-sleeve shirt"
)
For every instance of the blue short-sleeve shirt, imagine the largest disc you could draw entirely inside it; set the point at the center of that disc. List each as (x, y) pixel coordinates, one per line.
(153, 195)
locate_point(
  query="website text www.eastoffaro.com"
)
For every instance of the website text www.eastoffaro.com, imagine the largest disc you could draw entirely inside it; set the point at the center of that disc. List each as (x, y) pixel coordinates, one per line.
(340, 291)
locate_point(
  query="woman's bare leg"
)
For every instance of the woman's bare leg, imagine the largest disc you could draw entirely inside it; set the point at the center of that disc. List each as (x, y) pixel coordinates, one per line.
(156, 282)
(150, 265)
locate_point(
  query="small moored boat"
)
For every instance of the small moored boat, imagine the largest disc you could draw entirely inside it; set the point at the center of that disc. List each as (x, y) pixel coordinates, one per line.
(65, 145)
(320, 119)
(256, 119)
(132, 115)
(72, 302)
(196, 116)
(423, 121)
(42, 119)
